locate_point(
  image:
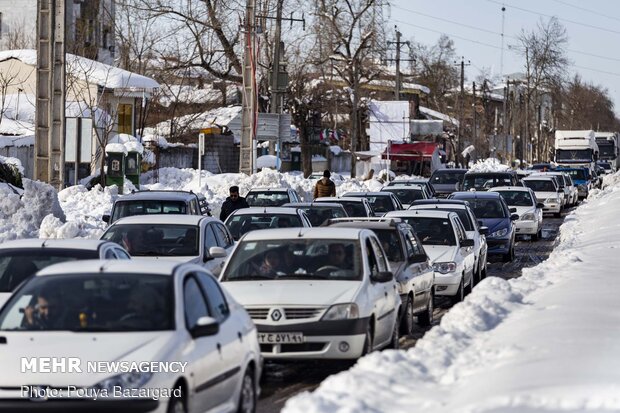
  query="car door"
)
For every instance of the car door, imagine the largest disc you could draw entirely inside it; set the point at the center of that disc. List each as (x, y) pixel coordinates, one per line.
(386, 318)
(467, 252)
(224, 240)
(206, 360)
(230, 337)
(210, 240)
(422, 272)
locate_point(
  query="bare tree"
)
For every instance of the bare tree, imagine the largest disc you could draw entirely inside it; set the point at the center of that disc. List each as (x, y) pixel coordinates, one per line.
(9, 79)
(17, 38)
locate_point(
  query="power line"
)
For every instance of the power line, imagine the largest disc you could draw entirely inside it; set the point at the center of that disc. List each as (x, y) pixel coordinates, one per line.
(591, 26)
(587, 10)
(449, 34)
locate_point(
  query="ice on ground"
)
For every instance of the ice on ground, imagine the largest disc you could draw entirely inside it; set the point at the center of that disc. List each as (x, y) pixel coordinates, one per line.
(545, 342)
(489, 165)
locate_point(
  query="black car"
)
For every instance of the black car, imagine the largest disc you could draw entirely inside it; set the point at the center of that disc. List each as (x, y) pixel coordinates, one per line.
(446, 181)
(483, 181)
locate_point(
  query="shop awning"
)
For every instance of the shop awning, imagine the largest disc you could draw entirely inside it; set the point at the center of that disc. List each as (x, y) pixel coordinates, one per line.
(410, 151)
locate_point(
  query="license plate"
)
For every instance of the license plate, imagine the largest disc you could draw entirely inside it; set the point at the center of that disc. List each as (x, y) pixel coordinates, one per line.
(280, 338)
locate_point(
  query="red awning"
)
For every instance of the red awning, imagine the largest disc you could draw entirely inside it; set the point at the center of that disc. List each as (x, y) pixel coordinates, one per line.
(410, 151)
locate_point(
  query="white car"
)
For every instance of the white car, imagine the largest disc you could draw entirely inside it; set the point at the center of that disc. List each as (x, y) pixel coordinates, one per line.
(570, 189)
(445, 242)
(275, 197)
(473, 228)
(548, 192)
(245, 220)
(530, 211)
(194, 348)
(184, 238)
(315, 293)
(380, 202)
(22, 258)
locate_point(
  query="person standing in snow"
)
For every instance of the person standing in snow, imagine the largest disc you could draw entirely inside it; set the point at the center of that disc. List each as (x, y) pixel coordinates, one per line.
(325, 186)
(232, 203)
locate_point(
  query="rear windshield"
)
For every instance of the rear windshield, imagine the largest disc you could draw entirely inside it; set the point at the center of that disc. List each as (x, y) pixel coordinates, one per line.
(354, 209)
(406, 195)
(318, 215)
(540, 186)
(267, 198)
(242, 223)
(517, 198)
(445, 178)
(141, 207)
(432, 231)
(17, 265)
(486, 181)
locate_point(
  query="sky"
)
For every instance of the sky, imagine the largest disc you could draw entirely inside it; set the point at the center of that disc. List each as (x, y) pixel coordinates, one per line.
(593, 30)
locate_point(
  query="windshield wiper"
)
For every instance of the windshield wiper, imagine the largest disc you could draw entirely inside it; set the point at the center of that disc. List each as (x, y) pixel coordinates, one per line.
(250, 278)
(90, 329)
(303, 276)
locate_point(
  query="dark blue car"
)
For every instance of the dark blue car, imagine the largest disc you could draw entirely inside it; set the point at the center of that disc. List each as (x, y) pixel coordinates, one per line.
(493, 212)
(581, 178)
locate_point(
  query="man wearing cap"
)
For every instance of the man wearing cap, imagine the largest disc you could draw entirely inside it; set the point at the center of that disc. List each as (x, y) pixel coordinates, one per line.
(232, 203)
(325, 186)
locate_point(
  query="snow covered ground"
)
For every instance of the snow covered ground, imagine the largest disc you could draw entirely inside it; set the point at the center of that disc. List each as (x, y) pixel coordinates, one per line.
(545, 342)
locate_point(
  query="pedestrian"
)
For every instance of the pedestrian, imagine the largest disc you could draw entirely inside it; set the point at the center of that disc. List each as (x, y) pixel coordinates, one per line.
(232, 203)
(325, 186)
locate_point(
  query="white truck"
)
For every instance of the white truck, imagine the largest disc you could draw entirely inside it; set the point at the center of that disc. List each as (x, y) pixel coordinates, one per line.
(608, 148)
(576, 148)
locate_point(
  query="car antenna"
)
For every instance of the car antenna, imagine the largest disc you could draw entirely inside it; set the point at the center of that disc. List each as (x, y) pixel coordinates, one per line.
(43, 244)
(300, 234)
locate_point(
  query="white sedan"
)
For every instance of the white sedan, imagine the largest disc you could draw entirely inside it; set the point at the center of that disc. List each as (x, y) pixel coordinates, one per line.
(144, 336)
(530, 211)
(316, 293)
(186, 238)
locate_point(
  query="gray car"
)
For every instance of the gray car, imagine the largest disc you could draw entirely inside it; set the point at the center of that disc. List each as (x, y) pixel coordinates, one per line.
(446, 181)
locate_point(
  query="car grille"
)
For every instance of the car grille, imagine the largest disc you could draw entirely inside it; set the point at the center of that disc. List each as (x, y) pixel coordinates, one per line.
(293, 313)
(293, 348)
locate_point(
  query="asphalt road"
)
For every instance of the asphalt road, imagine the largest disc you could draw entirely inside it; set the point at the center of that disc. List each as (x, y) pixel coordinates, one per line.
(282, 381)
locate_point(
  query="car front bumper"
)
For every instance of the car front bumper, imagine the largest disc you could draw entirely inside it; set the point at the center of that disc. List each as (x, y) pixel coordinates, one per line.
(527, 227)
(322, 340)
(447, 284)
(499, 246)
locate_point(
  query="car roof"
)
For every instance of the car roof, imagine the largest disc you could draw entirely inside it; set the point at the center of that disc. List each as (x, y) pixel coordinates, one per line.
(510, 188)
(158, 195)
(312, 204)
(266, 189)
(461, 205)
(511, 172)
(75, 243)
(265, 211)
(341, 198)
(136, 266)
(476, 194)
(387, 224)
(431, 213)
(368, 193)
(538, 178)
(459, 170)
(313, 233)
(412, 187)
(180, 219)
(439, 202)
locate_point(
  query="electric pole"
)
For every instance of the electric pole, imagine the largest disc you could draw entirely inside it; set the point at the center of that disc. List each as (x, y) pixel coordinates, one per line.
(459, 136)
(247, 147)
(397, 60)
(473, 106)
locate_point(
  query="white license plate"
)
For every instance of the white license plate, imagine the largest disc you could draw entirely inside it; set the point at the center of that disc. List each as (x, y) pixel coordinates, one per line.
(280, 338)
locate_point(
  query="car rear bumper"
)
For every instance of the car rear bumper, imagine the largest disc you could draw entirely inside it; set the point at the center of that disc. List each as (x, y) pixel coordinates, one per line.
(552, 208)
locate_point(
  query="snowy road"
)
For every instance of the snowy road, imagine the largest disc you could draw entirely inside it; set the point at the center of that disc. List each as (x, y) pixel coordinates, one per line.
(284, 380)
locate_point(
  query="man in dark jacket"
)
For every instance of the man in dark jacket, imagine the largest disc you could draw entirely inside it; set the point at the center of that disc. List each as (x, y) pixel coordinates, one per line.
(325, 186)
(232, 203)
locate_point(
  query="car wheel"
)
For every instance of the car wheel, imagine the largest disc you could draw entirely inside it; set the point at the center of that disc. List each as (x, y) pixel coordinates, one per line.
(177, 405)
(426, 318)
(558, 214)
(536, 236)
(406, 324)
(368, 340)
(460, 294)
(247, 396)
(510, 255)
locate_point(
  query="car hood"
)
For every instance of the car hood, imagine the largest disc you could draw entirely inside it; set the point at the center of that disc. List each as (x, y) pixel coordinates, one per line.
(292, 292)
(88, 347)
(494, 224)
(440, 253)
(525, 210)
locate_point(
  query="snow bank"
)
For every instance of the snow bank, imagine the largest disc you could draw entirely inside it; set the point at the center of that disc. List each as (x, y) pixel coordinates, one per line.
(489, 165)
(267, 161)
(545, 342)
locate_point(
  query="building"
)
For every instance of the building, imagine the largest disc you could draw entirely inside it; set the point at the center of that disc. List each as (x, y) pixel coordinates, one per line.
(89, 24)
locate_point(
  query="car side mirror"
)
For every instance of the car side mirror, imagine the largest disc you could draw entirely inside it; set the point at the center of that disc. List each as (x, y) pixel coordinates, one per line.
(416, 258)
(106, 218)
(514, 217)
(512, 210)
(540, 205)
(467, 243)
(215, 252)
(483, 230)
(205, 326)
(382, 276)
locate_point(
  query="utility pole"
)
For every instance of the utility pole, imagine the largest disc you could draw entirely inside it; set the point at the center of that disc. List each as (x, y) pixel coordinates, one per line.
(247, 151)
(526, 138)
(459, 136)
(397, 60)
(505, 118)
(49, 162)
(473, 106)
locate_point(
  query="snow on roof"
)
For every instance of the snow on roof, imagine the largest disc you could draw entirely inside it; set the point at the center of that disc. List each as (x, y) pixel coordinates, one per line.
(222, 116)
(17, 141)
(15, 128)
(116, 148)
(489, 165)
(439, 115)
(90, 71)
(518, 345)
(193, 94)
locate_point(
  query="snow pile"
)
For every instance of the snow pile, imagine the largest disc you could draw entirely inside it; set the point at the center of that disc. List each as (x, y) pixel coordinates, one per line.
(13, 162)
(21, 218)
(611, 180)
(545, 342)
(489, 165)
(267, 161)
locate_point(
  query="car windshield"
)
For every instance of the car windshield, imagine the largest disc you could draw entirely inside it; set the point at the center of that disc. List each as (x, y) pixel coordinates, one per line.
(318, 215)
(390, 241)
(573, 155)
(267, 198)
(242, 223)
(604, 165)
(313, 259)
(577, 174)
(406, 195)
(156, 240)
(92, 302)
(445, 178)
(142, 207)
(540, 185)
(484, 182)
(486, 208)
(18, 264)
(432, 231)
(517, 198)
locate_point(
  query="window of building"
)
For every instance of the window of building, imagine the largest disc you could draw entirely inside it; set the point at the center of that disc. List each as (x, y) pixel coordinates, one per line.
(125, 118)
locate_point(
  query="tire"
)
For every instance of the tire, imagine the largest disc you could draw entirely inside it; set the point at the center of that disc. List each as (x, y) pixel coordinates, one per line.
(247, 395)
(426, 318)
(510, 255)
(406, 323)
(177, 405)
(558, 214)
(368, 340)
(460, 294)
(536, 237)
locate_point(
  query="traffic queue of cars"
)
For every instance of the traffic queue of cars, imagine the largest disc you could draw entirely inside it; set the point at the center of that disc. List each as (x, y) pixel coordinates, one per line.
(335, 278)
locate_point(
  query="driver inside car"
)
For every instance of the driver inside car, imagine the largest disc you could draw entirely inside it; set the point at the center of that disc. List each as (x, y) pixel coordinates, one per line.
(337, 256)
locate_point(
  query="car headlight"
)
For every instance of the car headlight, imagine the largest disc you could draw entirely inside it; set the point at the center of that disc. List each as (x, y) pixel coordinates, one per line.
(341, 312)
(499, 233)
(552, 201)
(131, 380)
(444, 267)
(528, 217)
